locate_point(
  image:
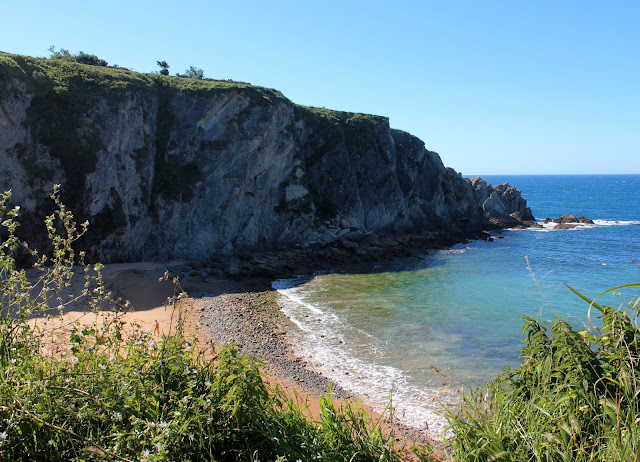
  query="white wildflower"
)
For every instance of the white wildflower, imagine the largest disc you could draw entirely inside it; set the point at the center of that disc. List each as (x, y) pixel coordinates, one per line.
(118, 416)
(3, 435)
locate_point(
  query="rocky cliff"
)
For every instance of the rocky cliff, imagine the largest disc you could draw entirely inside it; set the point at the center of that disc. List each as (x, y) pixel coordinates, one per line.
(166, 167)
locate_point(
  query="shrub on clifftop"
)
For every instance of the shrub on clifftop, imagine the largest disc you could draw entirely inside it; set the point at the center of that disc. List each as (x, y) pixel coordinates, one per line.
(81, 57)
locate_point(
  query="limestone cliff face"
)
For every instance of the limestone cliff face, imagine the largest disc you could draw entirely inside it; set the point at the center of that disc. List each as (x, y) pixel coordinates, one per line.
(171, 168)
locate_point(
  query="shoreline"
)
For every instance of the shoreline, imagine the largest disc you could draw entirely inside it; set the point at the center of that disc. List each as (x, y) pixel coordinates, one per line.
(247, 313)
(215, 313)
(220, 311)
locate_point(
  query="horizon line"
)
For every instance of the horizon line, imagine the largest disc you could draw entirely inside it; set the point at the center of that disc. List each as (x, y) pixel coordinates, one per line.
(551, 174)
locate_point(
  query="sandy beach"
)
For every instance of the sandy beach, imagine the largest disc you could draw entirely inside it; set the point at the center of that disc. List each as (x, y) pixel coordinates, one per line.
(220, 311)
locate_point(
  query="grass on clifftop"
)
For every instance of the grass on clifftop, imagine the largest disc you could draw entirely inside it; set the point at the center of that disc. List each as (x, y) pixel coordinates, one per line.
(114, 392)
(341, 116)
(60, 73)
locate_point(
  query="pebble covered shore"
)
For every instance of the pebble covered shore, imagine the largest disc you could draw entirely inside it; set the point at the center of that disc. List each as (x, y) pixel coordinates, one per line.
(250, 317)
(246, 313)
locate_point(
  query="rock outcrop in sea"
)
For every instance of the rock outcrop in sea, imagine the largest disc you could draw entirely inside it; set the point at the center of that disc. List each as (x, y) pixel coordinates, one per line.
(166, 167)
(569, 221)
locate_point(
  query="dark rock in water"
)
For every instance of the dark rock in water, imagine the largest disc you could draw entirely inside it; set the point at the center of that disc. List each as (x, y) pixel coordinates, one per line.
(568, 221)
(566, 218)
(486, 236)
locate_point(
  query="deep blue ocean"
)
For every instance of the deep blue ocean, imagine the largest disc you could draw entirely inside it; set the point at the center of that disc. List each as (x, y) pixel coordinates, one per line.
(422, 329)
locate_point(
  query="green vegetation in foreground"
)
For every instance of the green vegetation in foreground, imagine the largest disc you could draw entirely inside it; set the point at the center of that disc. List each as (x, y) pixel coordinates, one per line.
(575, 396)
(111, 393)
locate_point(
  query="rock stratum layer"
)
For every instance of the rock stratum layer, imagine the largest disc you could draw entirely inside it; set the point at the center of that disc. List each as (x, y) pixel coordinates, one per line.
(166, 167)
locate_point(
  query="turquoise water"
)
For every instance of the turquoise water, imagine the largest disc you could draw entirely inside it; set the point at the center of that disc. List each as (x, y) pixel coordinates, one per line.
(425, 328)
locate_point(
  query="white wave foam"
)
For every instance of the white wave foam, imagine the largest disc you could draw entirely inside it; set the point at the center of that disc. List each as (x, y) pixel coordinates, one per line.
(324, 345)
(546, 227)
(448, 251)
(583, 226)
(455, 249)
(616, 222)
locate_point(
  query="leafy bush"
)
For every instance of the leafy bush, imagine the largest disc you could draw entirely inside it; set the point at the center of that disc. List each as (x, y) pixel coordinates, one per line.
(81, 57)
(92, 60)
(192, 73)
(575, 396)
(119, 394)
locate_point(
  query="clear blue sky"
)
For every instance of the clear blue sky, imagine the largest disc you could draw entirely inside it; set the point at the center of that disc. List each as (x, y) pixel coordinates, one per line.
(509, 87)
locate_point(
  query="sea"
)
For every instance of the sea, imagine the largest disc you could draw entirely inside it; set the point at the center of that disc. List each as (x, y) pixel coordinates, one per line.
(415, 334)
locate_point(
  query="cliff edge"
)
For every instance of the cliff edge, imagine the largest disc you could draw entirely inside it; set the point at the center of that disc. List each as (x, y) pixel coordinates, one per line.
(166, 167)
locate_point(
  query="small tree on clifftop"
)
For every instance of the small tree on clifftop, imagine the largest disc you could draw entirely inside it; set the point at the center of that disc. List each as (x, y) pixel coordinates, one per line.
(164, 67)
(194, 73)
